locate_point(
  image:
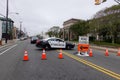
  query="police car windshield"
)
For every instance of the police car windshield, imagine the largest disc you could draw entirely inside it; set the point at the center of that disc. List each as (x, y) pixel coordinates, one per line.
(52, 38)
(46, 39)
(34, 37)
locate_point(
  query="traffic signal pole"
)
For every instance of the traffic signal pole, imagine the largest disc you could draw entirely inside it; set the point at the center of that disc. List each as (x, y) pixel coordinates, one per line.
(98, 2)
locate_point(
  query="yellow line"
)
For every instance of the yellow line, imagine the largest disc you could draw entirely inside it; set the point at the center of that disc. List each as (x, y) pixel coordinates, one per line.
(106, 71)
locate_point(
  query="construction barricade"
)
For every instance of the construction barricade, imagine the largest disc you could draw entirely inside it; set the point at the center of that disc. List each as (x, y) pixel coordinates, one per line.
(83, 46)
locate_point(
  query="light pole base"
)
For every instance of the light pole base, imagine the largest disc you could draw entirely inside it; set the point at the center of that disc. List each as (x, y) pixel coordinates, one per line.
(0, 42)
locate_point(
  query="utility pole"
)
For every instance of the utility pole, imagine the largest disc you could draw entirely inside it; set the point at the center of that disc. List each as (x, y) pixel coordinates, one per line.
(6, 22)
(25, 33)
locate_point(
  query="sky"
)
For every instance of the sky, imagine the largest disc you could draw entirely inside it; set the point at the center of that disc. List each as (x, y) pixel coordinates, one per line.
(38, 16)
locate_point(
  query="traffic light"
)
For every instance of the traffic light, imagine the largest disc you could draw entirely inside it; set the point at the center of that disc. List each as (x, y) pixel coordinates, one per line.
(104, 0)
(97, 2)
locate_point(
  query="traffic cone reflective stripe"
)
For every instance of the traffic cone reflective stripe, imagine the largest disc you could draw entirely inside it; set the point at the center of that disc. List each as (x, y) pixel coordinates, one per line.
(43, 50)
(106, 52)
(91, 54)
(25, 58)
(118, 53)
(60, 56)
(60, 50)
(25, 52)
(43, 57)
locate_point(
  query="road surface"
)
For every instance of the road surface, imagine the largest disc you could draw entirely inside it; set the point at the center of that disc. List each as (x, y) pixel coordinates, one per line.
(12, 66)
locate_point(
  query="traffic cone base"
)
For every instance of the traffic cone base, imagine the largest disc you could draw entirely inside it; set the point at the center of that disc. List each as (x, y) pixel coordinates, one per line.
(25, 58)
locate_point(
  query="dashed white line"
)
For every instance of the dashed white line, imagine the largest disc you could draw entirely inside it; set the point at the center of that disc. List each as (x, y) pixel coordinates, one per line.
(8, 49)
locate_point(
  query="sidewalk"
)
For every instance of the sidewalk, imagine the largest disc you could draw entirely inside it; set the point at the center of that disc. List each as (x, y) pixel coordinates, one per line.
(8, 42)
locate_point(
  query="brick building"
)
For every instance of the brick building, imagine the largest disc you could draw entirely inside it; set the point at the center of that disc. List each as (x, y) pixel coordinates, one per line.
(67, 34)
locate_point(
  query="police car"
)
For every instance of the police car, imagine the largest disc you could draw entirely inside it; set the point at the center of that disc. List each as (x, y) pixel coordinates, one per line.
(54, 43)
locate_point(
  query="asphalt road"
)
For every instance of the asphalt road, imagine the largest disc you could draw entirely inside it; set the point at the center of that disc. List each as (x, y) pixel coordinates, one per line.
(12, 66)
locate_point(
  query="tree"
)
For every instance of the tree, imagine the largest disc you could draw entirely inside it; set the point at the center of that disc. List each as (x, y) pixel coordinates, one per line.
(106, 23)
(54, 31)
(80, 28)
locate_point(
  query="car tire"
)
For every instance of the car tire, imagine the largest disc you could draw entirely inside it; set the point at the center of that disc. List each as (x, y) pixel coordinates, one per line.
(48, 47)
(68, 47)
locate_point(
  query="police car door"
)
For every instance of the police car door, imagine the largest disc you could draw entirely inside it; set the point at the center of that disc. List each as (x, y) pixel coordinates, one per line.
(61, 43)
(52, 43)
(57, 43)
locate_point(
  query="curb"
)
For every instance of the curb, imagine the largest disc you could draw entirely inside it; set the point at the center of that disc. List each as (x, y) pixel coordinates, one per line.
(9, 42)
(104, 48)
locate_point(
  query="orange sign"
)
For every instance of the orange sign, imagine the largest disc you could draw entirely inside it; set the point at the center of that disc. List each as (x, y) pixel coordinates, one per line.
(83, 47)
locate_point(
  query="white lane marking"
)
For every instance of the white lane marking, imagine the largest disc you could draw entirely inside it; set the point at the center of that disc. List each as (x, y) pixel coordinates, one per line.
(4, 46)
(8, 49)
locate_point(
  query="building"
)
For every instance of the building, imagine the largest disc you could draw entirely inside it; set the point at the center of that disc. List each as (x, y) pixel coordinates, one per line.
(67, 34)
(3, 28)
(16, 32)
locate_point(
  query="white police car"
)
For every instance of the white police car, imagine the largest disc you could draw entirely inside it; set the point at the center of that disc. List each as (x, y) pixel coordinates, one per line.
(54, 43)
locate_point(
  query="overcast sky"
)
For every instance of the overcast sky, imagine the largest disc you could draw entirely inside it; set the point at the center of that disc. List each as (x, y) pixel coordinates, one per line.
(40, 15)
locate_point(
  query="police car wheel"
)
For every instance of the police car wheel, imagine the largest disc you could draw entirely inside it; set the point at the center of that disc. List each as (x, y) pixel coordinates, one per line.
(48, 47)
(68, 47)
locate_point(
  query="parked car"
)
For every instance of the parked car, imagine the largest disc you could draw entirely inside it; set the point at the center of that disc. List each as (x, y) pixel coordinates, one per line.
(54, 43)
(23, 38)
(34, 39)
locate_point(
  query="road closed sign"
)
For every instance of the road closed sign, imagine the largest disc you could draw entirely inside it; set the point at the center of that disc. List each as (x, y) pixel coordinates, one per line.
(83, 40)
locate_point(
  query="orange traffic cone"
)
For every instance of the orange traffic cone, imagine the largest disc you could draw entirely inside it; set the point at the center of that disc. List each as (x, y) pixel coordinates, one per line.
(25, 58)
(91, 54)
(60, 56)
(118, 53)
(106, 52)
(43, 57)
